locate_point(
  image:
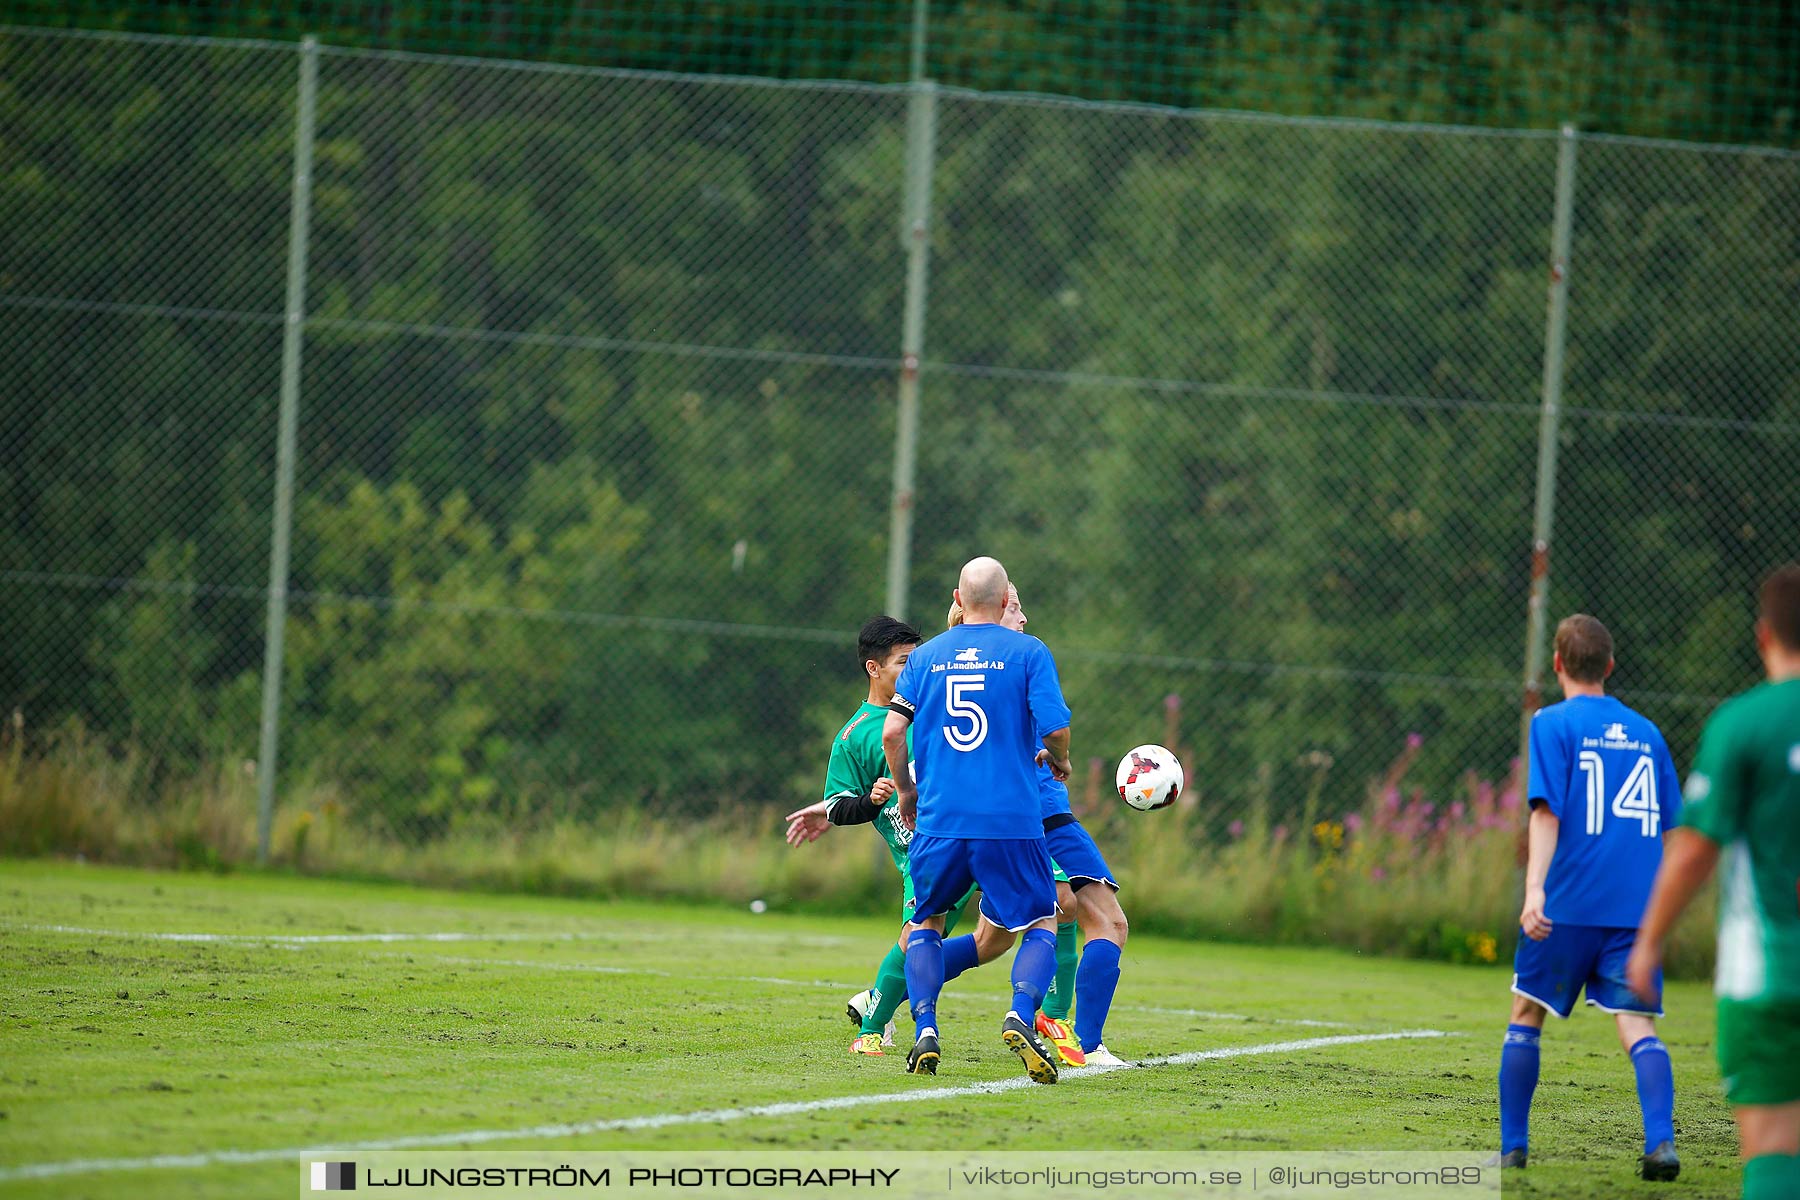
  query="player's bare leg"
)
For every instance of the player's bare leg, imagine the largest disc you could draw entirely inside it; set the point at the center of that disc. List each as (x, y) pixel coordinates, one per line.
(1634, 1028)
(1528, 1012)
(1065, 902)
(1768, 1129)
(991, 940)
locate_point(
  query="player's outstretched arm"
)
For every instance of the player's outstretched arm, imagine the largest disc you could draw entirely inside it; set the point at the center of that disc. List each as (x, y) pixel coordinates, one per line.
(1541, 840)
(807, 824)
(845, 808)
(1055, 754)
(1689, 858)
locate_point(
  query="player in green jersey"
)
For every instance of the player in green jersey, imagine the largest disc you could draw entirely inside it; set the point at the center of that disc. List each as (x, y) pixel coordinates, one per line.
(1743, 803)
(857, 792)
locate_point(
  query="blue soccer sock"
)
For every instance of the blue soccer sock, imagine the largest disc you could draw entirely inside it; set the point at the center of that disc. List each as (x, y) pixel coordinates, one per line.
(924, 975)
(1096, 979)
(1656, 1090)
(959, 956)
(1518, 1080)
(1034, 966)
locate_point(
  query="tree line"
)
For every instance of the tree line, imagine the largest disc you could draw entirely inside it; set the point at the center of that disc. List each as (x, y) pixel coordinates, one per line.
(598, 414)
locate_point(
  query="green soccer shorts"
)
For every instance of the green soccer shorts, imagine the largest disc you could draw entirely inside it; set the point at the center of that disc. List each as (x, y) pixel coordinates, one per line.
(1759, 1051)
(950, 918)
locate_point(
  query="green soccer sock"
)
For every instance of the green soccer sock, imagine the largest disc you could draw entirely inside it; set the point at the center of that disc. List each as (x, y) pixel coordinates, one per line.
(890, 991)
(1062, 989)
(1772, 1177)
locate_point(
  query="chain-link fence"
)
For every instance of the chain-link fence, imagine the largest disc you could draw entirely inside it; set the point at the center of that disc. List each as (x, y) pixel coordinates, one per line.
(1720, 72)
(597, 422)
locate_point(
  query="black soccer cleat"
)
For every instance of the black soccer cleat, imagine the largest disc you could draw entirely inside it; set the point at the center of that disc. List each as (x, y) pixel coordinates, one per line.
(922, 1059)
(1511, 1160)
(1022, 1040)
(1660, 1163)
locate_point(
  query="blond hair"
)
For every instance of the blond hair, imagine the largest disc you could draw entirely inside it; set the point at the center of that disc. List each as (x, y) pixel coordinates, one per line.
(954, 617)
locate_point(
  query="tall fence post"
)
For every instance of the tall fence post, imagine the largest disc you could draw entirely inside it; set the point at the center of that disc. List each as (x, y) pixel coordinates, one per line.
(293, 332)
(916, 62)
(1549, 431)
(921, 151)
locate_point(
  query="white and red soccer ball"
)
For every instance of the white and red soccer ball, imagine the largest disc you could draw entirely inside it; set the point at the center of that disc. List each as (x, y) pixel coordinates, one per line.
(1150, 777)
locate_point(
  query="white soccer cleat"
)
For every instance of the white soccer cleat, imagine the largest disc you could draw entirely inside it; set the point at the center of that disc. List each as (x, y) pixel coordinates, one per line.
(858, 1012)
(1100, 1056)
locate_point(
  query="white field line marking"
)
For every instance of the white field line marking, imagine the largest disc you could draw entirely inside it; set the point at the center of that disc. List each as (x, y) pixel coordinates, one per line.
(664, 1120)
(321, 939)
(597, 969)
(311, 939)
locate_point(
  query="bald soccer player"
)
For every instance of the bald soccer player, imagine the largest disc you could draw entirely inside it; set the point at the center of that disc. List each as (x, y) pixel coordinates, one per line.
(986, 707)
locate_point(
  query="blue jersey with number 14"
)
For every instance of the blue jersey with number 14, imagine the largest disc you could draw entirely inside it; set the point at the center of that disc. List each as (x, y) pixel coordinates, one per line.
(982, 697)
(1607, 776)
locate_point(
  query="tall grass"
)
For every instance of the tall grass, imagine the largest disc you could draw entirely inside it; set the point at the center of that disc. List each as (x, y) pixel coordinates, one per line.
(66, 793)
(1403, 875)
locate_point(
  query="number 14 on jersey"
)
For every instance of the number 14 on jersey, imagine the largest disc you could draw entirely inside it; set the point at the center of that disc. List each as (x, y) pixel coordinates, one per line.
(1635, 800)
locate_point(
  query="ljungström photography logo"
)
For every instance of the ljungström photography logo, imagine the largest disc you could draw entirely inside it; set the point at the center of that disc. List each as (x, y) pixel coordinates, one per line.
(334, 1177)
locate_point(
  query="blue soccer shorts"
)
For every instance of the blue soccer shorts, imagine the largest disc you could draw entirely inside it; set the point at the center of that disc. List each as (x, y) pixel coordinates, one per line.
(1017, 890)
(1074, 850)
(1574, 957)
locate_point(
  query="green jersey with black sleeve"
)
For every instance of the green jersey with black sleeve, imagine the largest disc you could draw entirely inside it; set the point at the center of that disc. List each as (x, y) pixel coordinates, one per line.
(857, 761)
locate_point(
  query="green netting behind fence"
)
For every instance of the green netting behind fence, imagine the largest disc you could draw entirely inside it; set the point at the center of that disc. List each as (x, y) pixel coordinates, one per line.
(1666, 68)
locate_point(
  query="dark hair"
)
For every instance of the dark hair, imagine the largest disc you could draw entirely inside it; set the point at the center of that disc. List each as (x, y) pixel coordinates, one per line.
(1585, 646)
(1780, 605)
(879, 636)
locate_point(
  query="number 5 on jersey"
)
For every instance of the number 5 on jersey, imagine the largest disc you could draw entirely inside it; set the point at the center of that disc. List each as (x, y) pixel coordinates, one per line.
(958, 703)
(1636, 800)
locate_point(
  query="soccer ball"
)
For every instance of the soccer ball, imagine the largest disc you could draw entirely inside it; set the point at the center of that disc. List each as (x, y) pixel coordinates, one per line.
(1149, 777)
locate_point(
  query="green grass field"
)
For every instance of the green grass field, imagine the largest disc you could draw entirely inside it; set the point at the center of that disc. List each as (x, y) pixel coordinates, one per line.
(498, 1014)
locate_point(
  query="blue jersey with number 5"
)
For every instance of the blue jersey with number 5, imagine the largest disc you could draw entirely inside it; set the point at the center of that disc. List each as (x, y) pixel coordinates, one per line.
(1606, 774)
(981, 697)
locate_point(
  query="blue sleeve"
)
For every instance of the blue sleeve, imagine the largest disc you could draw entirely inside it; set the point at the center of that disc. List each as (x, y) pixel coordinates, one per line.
(1049, 711)
(1668, 786)
(1549, 773)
